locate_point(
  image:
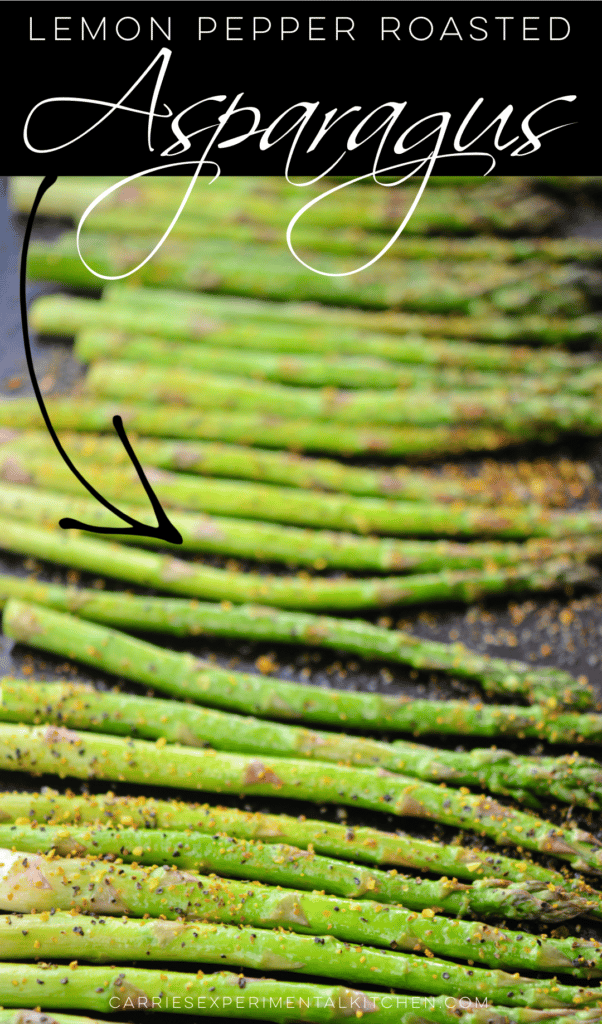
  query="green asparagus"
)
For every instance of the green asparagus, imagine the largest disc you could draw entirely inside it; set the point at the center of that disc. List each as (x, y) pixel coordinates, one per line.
(570, 778)
(71, 197)
(344, 242)
(484, 326)
(281, 864)
(424, 407)
(293, 545)
(346, 371)
(573, 779)
(545, 484)
(356, 636)
(94, 886)
(368, 845)
(184, 676)
(54, 749)
(219, 265)
(106, 989)
(175, 575)
(294, 328)
(270, 431)
(249, 500)
(73, 936)
(506, 206)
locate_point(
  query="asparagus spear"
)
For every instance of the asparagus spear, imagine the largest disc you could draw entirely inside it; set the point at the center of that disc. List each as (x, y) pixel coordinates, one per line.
(424, 407)
(184, 676)
(345, 371)
(53, 749)
(501, 207)
(294, 328)
(77, 935)
(356, 636)
(271, 272)
(249, 428)
(106, 989)
(224, 242)
(175, 575)
(250, 500)
(292, 545)
(485, 327)
(88, 886)
(368, 845)
(570, 778)
(281, 864)
(573, 779)
(543, 484)
(347, 241)
(72, 197)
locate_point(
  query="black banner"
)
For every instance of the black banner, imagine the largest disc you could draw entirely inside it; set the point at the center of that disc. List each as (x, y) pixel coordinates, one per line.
(303, 88)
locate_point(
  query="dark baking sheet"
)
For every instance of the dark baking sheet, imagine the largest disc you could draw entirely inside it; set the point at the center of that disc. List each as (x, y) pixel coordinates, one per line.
(531, 628)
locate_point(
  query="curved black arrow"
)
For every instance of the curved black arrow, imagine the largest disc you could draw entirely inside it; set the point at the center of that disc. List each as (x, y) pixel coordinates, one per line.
(165, 530)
